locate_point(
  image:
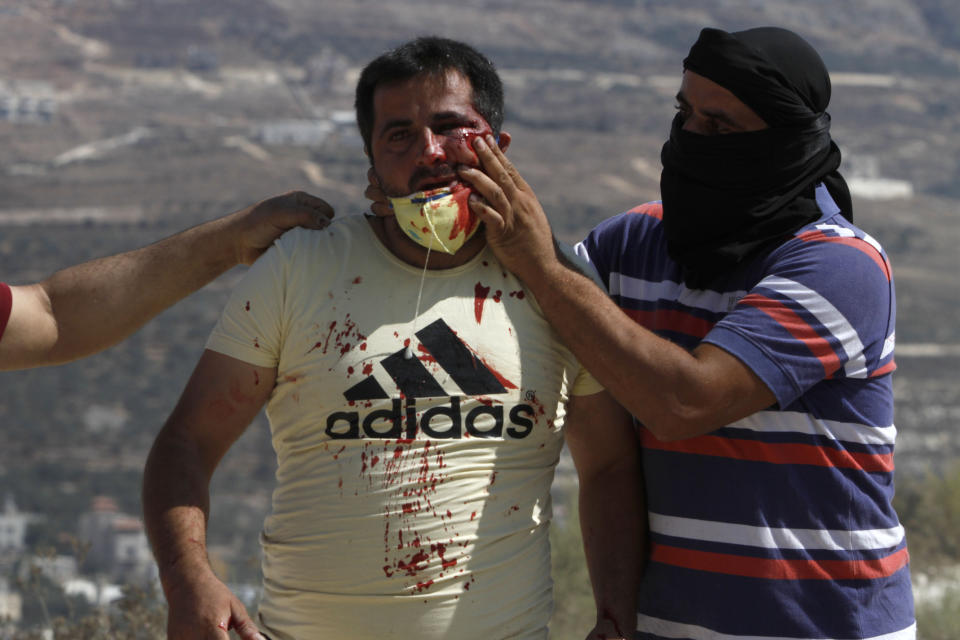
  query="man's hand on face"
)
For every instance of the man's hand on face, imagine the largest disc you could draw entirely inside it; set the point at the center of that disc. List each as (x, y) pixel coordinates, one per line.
(256, 227)
(379, 204)
(516, 226)
(205, 609)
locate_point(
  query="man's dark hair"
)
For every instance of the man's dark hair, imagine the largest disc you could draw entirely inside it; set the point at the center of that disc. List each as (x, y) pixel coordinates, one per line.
(435, 56)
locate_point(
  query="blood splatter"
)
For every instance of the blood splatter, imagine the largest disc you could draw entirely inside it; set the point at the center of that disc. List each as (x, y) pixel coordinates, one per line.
(466, 220)
(506, 383)
(247, 306)
(427, 356)
(322, 344)
(357, 280)
(479, 297)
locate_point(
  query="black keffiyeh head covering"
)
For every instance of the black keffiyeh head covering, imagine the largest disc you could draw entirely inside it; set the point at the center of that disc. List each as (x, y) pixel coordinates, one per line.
(730, 197)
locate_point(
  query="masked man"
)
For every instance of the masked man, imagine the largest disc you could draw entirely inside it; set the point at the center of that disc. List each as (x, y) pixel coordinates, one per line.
(751, 332)
(417, 401)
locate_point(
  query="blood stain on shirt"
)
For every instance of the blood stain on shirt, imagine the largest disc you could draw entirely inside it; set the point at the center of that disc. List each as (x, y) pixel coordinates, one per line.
(323, 343)
(479, 297)
(497, 295)
(506, 383)
(358, 280)
(427, 357)
(247, 306)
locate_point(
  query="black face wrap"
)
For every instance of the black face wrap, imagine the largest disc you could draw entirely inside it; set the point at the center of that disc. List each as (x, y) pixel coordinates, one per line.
(730, 197)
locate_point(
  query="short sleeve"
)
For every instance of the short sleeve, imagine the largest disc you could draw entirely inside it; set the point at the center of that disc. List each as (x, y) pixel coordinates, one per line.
(251, 325)
(824, 310)
(6, 304)
(585, 384)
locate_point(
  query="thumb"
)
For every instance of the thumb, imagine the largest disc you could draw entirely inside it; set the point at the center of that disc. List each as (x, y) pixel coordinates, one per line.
(241, 622)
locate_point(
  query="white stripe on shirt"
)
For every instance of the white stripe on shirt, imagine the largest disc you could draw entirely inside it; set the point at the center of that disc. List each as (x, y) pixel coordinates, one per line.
(776, 538)
(652, 291)
(827, 315)
(800, 422)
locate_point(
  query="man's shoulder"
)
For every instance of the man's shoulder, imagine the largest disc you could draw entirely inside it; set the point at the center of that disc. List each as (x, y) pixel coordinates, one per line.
(836, 238)
(341, 234)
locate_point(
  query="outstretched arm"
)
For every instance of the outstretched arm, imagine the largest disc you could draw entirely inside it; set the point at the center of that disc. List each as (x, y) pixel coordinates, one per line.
(600, 435)
(221, 398)
(674, 392)
(91, 306)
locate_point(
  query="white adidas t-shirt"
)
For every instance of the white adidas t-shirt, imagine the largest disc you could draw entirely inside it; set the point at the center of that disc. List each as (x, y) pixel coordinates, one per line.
(412, 496)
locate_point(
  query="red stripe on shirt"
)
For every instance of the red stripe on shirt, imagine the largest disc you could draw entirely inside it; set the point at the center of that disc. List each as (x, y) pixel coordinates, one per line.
(773, 453)
(798, 328)
(652, 209)
(856, 243)
(6, 303)
(781, 569)
(671, 320)
(887, 368)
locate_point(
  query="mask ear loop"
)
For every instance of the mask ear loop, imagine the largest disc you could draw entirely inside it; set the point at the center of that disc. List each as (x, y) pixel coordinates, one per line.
(408, 352)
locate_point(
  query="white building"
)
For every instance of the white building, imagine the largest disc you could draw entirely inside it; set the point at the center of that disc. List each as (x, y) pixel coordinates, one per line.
(118, 544)
(13, 527)
(11, 604)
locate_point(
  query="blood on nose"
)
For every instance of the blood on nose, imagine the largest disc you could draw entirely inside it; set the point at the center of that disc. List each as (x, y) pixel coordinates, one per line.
(433, 150)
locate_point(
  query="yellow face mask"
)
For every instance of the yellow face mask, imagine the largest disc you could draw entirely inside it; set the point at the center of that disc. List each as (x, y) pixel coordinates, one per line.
(437, 219)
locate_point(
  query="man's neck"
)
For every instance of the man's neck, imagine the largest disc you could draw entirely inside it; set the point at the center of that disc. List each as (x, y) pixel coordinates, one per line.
(397, 242)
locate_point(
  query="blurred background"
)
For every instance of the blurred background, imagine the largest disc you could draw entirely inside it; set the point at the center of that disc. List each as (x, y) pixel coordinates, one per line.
(123, 121)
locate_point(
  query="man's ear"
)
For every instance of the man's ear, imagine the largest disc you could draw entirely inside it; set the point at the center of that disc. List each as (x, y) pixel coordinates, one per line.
(503, 140)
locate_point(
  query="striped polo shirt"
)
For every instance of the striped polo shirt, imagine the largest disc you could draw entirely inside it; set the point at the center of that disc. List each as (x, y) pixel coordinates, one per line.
(779, 525)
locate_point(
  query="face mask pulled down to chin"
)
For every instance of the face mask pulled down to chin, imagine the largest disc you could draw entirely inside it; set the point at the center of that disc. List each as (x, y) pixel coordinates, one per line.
(438, 219)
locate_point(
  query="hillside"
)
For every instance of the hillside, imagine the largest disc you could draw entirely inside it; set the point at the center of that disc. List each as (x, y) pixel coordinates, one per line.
(122, 121)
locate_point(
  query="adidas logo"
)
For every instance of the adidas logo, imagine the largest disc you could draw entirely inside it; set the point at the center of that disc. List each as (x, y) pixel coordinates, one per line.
(414, 380)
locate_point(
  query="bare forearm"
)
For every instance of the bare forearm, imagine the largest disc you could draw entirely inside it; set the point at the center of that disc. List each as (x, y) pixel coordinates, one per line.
(610, 525)
(176, 505)
(89, 307)
(652, 377)
(98, 303)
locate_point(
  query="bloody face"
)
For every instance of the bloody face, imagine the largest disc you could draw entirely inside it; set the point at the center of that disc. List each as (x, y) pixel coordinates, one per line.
(423, 129)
